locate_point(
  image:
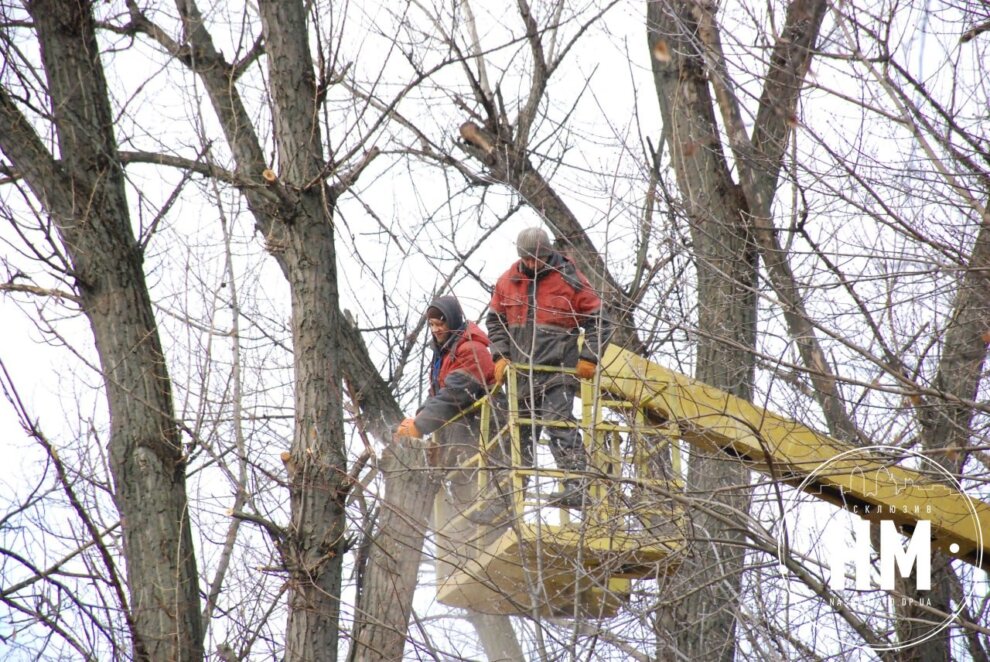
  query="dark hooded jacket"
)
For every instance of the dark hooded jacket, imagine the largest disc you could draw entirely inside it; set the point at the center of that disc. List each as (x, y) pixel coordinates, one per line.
(555, 304)
(461, 371)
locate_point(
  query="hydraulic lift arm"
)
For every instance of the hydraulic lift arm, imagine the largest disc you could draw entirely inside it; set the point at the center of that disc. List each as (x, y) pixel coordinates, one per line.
(791, 452)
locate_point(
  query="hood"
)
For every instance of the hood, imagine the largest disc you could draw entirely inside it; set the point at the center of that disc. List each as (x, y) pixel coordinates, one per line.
(450, 308)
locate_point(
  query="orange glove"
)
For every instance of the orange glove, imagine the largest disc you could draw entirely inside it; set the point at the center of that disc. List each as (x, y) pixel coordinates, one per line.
(407, 428)
(500, 367)
(585, 369)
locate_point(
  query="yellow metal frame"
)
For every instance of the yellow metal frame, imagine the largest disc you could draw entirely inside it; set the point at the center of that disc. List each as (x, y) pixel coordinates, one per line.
(577, 566)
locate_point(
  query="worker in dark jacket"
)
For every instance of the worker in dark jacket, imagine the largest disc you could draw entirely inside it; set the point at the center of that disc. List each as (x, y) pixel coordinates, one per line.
(538, 309)
(461, 370)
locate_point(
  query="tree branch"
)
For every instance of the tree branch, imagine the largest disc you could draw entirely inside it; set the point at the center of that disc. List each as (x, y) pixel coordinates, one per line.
(39, 291)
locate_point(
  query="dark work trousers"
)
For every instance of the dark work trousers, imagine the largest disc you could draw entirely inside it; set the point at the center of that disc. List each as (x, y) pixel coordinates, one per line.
(551, 398)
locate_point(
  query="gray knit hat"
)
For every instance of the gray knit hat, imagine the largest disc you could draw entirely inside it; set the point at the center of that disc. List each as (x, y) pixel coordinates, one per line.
(533, 242)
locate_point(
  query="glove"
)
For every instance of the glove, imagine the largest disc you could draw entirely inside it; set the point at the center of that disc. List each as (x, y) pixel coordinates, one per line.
(407, 428)
(500, 367)
(585, 369)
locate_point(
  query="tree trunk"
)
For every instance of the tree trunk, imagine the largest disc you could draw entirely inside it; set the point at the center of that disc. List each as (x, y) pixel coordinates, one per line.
(726, 266)
(316, 485)
(946, 425)
(385, 602)
(759, 161)
(294, 214)
(85, 195)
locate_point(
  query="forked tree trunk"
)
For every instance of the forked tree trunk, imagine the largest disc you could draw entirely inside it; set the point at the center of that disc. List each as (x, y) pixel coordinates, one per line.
(295, 215)
(947, 425)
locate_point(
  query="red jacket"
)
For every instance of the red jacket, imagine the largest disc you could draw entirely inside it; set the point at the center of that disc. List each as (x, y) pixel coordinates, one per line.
(469, 357)
(461, 371)
(554, 304)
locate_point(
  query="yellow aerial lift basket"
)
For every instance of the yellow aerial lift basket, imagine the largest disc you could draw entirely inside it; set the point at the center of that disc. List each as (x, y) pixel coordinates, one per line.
(503, 545)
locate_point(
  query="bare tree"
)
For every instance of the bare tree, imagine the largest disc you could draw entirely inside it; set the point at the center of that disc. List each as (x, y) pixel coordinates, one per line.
(689, 64)
(78, 179)
(362, 158)
(688, 68)
(706, 99)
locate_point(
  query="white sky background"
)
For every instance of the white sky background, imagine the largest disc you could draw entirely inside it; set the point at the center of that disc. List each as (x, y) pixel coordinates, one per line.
(602, 178)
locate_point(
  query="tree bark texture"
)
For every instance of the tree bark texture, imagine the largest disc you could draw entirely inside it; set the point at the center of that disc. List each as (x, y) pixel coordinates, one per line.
(84, 194)
(317, 483)
(726, 265)
(948, 424)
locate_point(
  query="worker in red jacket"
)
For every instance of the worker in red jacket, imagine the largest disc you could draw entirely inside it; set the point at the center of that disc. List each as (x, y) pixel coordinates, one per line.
(538, 309)
(461, 370)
